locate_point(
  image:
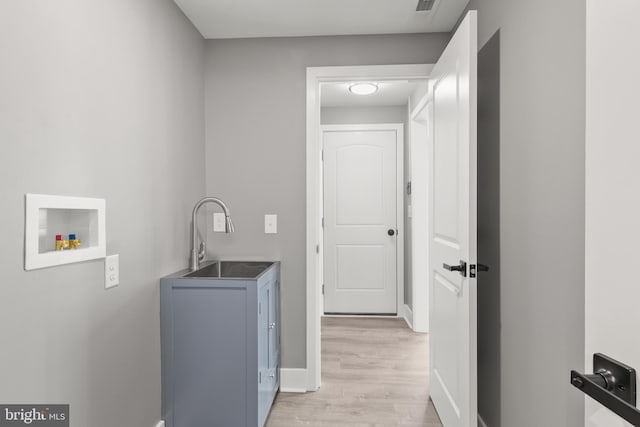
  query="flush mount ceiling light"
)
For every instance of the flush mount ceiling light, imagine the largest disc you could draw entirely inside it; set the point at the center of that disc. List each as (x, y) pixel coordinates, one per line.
(363, 88)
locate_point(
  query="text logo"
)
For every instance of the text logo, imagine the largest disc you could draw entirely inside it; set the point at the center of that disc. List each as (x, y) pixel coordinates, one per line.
(34, 415)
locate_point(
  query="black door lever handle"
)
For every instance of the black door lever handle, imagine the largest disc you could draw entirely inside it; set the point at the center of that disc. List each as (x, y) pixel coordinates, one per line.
(452, 267)
(475, 268)
(462, 268)
(613, 384)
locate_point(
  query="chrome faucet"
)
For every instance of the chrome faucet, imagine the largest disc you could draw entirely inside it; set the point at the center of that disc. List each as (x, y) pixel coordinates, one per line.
(198, 254)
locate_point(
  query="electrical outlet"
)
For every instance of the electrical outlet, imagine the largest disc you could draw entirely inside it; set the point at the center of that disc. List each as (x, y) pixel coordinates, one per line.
(111, 271)
(218, 222)
(271, 224)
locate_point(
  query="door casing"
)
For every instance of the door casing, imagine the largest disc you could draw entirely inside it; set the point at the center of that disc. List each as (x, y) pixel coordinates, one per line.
(420, 143)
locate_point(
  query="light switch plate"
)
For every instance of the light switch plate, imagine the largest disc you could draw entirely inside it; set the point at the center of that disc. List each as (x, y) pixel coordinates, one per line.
(271, 224)
(218, 222)
(111, 271)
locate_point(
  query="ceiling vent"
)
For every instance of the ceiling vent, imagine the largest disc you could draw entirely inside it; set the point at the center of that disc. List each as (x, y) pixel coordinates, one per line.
(424, 5)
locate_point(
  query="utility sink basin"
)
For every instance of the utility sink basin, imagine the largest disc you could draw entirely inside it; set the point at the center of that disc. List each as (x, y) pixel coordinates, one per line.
(231, 270)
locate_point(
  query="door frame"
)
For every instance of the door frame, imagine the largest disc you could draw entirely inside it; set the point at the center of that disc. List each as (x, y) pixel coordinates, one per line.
(399, 129)
(316, 76)
(420, 198)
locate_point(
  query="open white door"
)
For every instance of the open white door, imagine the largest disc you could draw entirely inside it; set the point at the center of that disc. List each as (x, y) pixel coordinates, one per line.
(612, 197)
(452, 301)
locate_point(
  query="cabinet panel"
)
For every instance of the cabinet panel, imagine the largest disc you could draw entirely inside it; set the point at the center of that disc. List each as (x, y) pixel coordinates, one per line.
(263, 354)
(211, 349)
(274, 335)
(220, 349)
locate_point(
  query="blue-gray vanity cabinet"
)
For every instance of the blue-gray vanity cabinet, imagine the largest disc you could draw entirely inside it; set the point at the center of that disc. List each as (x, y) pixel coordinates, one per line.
(220, 349)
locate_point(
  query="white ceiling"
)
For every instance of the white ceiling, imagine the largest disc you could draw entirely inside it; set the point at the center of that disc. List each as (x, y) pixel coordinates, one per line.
(222, 19)
(389, 94)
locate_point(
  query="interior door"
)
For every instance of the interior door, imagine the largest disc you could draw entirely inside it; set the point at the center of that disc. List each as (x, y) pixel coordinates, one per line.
(612, 198)
(453, 365)
(360, 219)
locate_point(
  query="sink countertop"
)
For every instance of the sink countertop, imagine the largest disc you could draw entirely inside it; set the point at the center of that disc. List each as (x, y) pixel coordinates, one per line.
(182, 273)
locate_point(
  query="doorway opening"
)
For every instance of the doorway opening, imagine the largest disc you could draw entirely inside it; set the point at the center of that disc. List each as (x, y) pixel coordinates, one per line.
(335, 119)
(452, 217)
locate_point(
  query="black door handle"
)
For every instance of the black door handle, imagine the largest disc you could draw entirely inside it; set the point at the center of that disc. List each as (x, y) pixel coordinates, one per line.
(473, 268)
(391, 232)
(462, 268)
(613, 384)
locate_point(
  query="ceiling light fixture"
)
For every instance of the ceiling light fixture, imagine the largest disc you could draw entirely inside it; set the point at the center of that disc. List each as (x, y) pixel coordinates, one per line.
(363, 88)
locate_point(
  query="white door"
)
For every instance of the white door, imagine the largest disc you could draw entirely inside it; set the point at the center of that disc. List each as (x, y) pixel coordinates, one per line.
(452, 311)
(612, 289)
(360, 219)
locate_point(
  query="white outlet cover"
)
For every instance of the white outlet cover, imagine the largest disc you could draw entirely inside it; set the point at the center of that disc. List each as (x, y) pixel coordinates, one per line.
(271, 224)
(111, 271)
(218, 222)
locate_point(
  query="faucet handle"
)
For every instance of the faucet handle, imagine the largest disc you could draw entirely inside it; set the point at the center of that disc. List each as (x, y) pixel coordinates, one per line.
(201, 251)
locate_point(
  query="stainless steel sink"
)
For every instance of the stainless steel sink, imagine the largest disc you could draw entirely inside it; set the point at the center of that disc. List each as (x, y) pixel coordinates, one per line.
(231, 270)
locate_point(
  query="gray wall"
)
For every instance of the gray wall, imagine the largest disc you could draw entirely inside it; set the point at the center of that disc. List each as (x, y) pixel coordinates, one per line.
(255, 119)
(359, 115)
(102, 99)
(541, 166)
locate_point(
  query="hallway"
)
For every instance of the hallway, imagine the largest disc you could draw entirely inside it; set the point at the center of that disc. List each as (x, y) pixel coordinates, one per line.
(374, 374)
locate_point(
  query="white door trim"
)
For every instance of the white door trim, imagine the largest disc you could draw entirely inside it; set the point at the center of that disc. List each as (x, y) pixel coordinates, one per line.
(315, 76)
(420, 216)
(399, 129)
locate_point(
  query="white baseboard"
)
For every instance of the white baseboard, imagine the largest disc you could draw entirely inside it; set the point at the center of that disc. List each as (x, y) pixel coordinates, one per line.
(293, 380)
(481, 422)
(407, 314)
(160, 424)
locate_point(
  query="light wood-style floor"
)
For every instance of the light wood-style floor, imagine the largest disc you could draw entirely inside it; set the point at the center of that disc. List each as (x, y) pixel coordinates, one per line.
(374, 374)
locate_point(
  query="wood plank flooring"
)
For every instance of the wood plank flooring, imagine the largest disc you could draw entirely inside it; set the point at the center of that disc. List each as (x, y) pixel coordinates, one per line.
(374, 374)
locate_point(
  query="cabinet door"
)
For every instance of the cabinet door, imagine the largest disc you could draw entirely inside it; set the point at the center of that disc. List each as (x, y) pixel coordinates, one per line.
(264, 381)
(276, 303)
(274, 327)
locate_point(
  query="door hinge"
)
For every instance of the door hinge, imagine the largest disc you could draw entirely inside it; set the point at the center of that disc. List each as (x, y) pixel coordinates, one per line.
(259, 377)
(323, 289)
(322, 222)
(322, 155)
(259, 308)
(317, 249)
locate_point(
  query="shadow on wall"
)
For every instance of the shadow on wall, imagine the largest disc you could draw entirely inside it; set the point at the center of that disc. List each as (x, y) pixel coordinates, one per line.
(489, 326)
